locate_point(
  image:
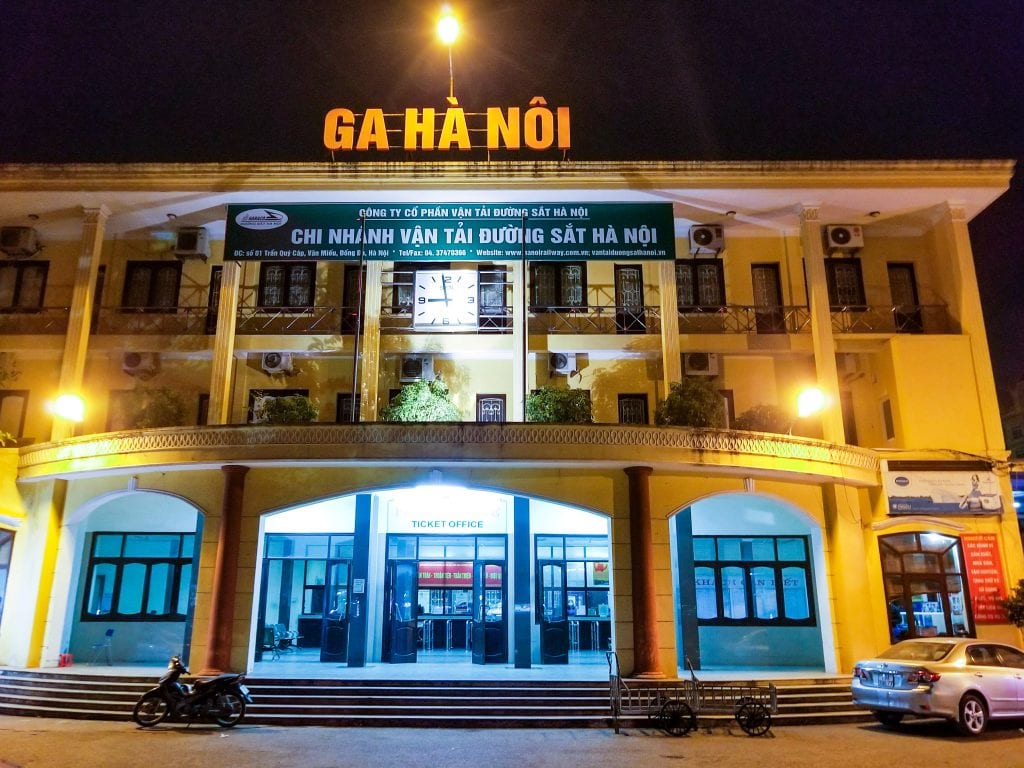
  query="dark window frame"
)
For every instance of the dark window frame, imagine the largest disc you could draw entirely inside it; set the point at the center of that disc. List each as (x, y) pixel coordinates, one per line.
(777, 566)
(480, 398)
(564, 561)
(20, 268)
(151, 303)
(559, 286)
(120, 562)
(638, 397)
(831, 267)
(693, 267)
(288, 266)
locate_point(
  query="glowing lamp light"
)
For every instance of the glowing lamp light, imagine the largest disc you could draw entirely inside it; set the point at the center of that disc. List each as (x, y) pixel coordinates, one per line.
(70, 407)
(448, 26)
(810, 401)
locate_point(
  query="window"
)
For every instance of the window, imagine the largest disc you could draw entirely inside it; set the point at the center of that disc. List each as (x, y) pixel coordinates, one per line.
(494, 310)
(287, 285)
(845, 284)
(152, 285)
(6, 545)
(700, 284)
(22, 286)
(139, 577)
(13, 404)
(558, 286)
(586, 562)
(490, 408)
(344, 414)
(633, 409)
(753, 581)
(403, 282)
(887, 420)
(213, 299)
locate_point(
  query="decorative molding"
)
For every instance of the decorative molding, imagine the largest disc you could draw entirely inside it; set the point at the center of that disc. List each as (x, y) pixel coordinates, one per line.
(664, 448)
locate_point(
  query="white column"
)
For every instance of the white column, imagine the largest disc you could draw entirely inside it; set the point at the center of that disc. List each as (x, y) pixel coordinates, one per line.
(369, 363)
(520, 340)
(76, 340)
(821, 324)
(222, 368)
(671, 358)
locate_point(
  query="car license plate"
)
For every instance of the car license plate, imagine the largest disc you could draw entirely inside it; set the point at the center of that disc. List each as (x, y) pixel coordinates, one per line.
(244, 690)
(887, 679)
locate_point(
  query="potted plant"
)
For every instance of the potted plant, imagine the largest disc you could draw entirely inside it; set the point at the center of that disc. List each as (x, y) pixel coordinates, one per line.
(764, 418)
(288, 409)
(422, 401)
(154, 408)
(558, 405)
(692, 402)
(1013, 605)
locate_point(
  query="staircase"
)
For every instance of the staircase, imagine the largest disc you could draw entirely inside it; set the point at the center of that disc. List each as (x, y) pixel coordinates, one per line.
(390, 703)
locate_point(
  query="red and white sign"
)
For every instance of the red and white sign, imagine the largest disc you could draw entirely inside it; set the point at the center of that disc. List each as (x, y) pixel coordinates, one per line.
(984, 577)
(454, 574)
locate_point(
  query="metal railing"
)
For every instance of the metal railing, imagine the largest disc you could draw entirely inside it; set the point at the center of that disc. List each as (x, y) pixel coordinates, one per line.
(592, 319)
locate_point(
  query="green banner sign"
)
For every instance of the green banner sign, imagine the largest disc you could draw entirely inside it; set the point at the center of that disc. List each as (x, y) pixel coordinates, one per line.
(450, 232)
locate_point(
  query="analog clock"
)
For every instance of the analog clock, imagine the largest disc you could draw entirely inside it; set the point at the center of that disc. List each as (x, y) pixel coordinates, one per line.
(445, 300)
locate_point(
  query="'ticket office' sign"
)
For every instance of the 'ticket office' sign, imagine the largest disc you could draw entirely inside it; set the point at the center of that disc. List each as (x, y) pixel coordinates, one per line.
(450, 232)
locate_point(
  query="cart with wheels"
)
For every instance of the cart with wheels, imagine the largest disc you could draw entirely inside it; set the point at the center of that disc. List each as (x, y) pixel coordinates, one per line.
(674, 705)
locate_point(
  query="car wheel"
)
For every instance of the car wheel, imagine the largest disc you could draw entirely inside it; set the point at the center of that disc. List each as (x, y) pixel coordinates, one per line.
(973, 715)
(888, 719)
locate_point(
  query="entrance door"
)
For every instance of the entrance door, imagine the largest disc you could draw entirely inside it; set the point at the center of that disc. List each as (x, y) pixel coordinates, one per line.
(768, 313)
(489, 628)
(400, 613)
(334, 632)
(903, 288)
(629, 300)
(554, 623)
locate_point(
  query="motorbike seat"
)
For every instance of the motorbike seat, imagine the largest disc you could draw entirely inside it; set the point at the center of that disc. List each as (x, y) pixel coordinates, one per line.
(223, 678)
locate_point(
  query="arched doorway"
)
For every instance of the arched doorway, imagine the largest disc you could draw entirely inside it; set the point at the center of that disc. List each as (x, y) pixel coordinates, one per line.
(434, 574)
(136, 580)
(749, 585)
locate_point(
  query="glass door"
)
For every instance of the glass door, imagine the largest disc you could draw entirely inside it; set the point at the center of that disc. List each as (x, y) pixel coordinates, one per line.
(903, 288)
(489, 628)
(400, 613)
(334, 632)
(554, 623)
(768, 313)
(629, 300)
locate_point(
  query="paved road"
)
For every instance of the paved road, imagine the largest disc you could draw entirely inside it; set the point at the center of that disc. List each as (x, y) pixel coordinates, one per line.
(39, 743)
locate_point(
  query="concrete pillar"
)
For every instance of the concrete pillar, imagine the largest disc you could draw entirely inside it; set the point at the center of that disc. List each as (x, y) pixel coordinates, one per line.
(76, 340)
(821, 324)
(225, 572)
(369, 354)
(671, 358)
(645, 613)
(223, 367)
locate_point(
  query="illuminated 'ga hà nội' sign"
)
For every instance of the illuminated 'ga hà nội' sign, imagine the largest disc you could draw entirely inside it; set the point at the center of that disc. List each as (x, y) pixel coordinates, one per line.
(538, 127)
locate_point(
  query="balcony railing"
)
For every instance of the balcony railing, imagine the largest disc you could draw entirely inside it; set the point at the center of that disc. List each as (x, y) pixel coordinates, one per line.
(591, 319)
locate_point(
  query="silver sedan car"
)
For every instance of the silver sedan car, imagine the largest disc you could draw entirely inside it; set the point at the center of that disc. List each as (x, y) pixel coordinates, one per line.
(964, 680)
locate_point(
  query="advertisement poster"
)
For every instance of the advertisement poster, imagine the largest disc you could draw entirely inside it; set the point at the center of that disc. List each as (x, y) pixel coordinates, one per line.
(948, 493)
(984, 576)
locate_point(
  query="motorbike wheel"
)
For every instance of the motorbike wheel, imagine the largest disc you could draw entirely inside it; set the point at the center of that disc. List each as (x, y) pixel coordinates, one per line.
(230, 710)
(150, 710)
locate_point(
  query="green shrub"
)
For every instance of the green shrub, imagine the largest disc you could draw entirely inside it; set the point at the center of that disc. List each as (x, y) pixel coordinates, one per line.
(422, 401)
(556, 405)
(1014, 605)
(290, 409)
(692, 402)
(154, 408)
(764, 418)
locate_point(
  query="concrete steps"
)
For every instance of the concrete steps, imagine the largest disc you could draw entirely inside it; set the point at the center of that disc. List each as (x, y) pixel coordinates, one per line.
(405, 703)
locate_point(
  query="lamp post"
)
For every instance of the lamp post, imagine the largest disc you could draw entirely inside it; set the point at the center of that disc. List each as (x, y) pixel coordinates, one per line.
(810, 401)
(448, 31)
(68, 409)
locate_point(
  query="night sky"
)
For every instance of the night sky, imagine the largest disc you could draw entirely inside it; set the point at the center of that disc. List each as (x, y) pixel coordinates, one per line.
(230, 81)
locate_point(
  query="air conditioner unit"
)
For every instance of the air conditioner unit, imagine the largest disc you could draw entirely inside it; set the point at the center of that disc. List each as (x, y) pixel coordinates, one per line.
(141, 364)
(700, 364)
(416, 368)
(562, 362)
(191, 243)
(18, 242)
(706, 237)
(843, 237)
(276, 362)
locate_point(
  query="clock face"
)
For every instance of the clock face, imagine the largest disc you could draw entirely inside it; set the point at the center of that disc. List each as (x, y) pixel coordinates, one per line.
(445, 300)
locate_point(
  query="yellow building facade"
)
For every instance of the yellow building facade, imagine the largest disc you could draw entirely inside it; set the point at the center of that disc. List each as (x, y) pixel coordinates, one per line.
(175, 517)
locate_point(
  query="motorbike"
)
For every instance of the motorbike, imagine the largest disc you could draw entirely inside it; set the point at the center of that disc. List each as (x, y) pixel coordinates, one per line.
(221, 699)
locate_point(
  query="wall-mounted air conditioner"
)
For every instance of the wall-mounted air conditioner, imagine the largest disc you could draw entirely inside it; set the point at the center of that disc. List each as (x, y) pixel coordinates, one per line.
(416, 368)
(191, 243)
(707, 237)
(562, 362)
(843, 237)
(18, 242)
(700, 364)
(141, 364)
(276, 362)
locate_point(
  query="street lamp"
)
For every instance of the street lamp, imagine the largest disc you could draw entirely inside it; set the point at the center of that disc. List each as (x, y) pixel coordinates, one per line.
(810, 401)
(448, 31)
(70, 407)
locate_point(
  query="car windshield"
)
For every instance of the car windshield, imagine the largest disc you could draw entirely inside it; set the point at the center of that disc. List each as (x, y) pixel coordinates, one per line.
(918, 651)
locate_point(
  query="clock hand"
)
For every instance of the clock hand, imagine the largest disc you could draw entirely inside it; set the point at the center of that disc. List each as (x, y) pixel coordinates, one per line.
(444, 289)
